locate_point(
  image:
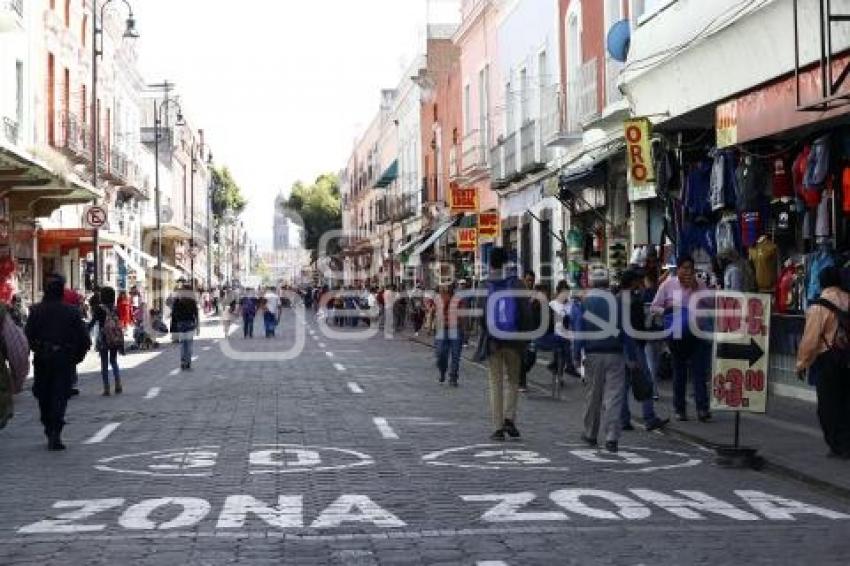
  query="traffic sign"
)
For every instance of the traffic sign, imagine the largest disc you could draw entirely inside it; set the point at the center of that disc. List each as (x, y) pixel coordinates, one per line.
(95, 217)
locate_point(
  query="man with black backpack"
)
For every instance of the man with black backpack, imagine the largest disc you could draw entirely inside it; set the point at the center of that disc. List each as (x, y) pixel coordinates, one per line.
(506, 313)
(825, 350)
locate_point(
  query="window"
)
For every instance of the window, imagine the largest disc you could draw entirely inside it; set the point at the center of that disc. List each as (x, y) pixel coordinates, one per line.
(523, 97)
(509, 110)
(467, 110)
(19, 95)
(67, 13)
(51, 99)
(546, 251)
(84, 30)
(641, 10)
(525, 249)
(484, 104)
(542, 80)
(84, 100)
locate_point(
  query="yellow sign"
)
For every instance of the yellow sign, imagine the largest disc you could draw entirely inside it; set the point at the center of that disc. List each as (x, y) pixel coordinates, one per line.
(741, 351)
(488, 224)
(463, 199)
(639, 151)
(467, 239)
(727, 124)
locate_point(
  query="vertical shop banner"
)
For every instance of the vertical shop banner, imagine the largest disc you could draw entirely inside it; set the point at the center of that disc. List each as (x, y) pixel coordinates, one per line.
(741, 351)
(467, 239)
(488, 225)
(639, 151)
(727, 124)
(463, 199)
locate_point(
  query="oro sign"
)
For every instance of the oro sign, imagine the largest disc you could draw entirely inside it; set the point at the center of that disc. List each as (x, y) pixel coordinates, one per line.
(639, 151)
(741, 350)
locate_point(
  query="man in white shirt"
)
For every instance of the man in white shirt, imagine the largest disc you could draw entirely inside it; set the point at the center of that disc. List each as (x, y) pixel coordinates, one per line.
(272, 308)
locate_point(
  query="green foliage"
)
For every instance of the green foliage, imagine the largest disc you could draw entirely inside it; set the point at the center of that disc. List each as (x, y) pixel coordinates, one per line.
(227, 196)
(319, 206)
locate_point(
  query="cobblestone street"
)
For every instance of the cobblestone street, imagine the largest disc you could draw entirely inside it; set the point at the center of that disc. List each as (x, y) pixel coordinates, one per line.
(352, 453)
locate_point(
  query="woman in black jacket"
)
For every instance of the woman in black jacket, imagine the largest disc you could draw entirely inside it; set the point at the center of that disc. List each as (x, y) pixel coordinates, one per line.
(185, 323)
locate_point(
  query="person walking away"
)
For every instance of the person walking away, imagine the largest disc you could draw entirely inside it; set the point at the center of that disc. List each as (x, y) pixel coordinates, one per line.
(185, 324)
(271, 312)
(691, 354)
(110, 339)
(825, 351)
(248, 308)
(125, 310)
(529, 357)
(504, 314)
(604, 359)
(448, 336)
(59, 340)
(631, 284)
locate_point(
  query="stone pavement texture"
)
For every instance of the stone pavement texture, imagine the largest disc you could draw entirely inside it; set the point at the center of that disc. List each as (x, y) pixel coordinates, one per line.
(788, 436)
(351, 453)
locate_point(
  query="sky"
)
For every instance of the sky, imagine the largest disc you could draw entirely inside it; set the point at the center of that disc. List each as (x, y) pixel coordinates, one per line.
(281, 88)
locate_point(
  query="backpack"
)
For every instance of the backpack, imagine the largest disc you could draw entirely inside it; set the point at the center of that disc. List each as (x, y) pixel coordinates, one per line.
(839, 350)
(506, 310)
(112, 335)
(15, 349)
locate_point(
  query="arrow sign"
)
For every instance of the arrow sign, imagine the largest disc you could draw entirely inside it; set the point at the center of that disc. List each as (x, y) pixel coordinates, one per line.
(751, 352)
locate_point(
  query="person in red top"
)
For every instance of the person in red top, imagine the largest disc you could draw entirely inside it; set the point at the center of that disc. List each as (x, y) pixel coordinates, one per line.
(125, 310)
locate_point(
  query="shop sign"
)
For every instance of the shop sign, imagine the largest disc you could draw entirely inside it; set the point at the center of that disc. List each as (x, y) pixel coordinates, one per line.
(467, 239)
(727, 124)
(488, 224)
(642, 192)
(463, 199)
(639, 151)
(741, 352)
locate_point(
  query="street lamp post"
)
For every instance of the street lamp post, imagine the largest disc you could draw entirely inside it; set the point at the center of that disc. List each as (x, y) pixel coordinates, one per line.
(97, 32)
(157, 124)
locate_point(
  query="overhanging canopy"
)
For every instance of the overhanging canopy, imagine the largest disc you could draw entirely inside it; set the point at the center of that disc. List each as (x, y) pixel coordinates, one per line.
(388, 176)
(435, 235)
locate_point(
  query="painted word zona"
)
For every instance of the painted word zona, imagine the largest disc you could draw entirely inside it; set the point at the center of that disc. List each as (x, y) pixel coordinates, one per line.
(168, 513)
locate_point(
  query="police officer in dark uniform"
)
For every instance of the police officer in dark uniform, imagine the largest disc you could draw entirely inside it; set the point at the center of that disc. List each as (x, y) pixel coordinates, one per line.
(59, 340)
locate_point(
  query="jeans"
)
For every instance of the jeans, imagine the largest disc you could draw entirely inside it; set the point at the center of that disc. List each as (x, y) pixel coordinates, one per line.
(186, 340)
(691, 357)
(449, 346)
(109, 356)
(270, 321)
(648, 406)
(248, 321)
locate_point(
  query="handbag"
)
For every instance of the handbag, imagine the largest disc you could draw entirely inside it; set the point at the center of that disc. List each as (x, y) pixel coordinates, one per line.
(640, 385)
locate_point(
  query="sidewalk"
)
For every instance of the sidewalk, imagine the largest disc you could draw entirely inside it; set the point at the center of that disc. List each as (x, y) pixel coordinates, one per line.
(788, 437)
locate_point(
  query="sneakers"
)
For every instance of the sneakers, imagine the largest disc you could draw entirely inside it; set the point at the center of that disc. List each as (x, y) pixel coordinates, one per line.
(118, 388)
(657, 424)
(106, 392)
(611, 446)
(628, 426)
(589, 441)
(511, 429)
(498, 436)
(442, 378)
(704, 416)
(453, 380)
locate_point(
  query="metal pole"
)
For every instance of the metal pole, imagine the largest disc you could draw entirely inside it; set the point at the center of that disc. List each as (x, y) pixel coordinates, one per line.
(158, 278)
(94, 135)
(192, 214)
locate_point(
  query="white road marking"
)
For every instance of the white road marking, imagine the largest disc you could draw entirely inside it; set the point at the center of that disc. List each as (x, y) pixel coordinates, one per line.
(152, 393)
(194, 358)
(354, 387)
(322, 345)
(206, 348)
(329, 354)
(491, 563)
(175, 371)
(384, 428)
(102, 434)
(339, 366)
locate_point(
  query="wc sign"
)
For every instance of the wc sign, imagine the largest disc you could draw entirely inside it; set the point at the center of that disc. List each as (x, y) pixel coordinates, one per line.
(639, 151)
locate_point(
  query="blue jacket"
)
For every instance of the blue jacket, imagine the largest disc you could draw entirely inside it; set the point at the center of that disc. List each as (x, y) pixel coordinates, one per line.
(598, 306)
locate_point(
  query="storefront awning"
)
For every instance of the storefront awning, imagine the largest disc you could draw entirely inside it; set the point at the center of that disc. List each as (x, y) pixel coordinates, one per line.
(409, 245)
(388, 176)
(435, 235)
(132, 265)
(66, 239)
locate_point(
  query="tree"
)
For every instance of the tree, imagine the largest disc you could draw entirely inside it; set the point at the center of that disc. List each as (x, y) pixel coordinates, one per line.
(319, 207)
(227, 196)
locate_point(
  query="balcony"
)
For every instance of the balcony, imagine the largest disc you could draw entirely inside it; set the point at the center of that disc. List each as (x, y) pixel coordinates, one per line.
(474, 154)
(497, 165)
(404, 206)
(510, 157)
(454, 164)
(11, 130)
(613, 69)
(382, 211)
(11, 15)
(556, 127)
(72, 138)
(118, 171)
(534, 155)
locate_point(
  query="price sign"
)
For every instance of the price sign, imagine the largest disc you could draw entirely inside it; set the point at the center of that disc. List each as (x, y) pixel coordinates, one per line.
(463, 199)
(467, 239)
(741, 351)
